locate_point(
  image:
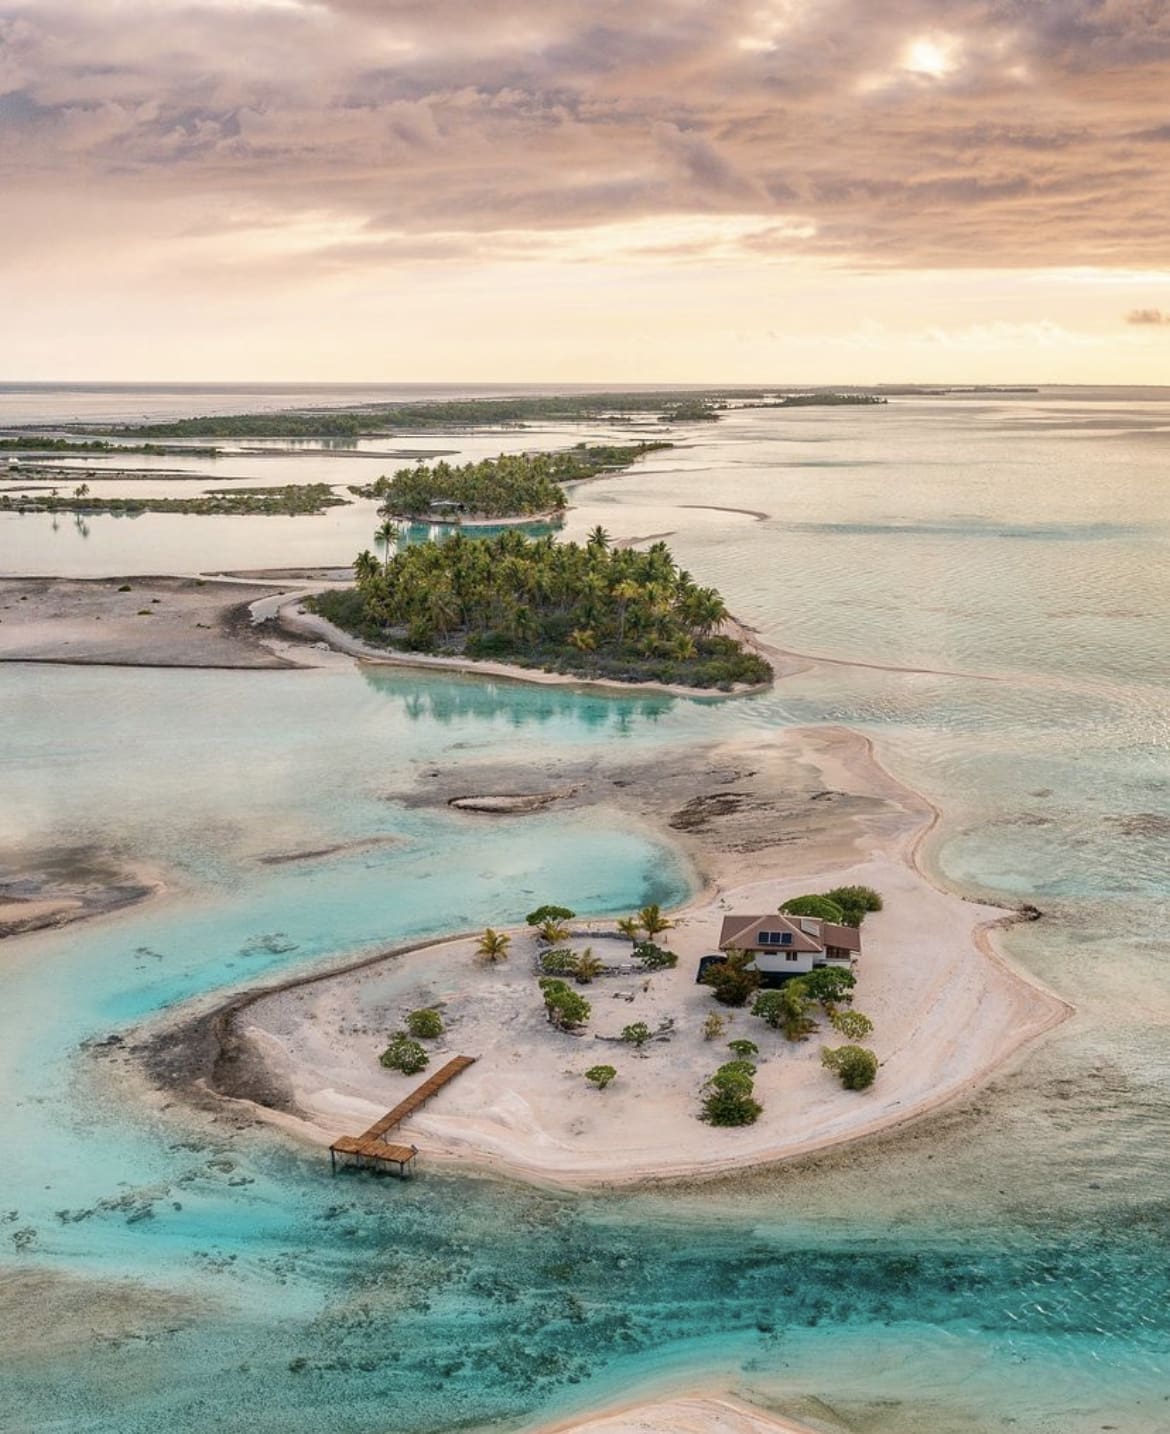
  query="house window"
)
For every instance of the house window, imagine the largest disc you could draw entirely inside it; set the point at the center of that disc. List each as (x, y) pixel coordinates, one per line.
(791, 956)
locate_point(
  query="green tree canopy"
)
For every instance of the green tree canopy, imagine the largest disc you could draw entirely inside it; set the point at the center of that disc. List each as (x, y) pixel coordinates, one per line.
(813, 905)
(549, 913)
(600, 1075)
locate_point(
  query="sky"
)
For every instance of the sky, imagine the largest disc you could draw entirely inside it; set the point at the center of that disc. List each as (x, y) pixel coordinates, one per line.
(690, 191)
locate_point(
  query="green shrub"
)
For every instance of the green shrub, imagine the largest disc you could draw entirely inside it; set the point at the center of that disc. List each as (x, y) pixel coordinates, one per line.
(856, 898)
(829, 985)
(856, 1066)
(560, 961)
(564, 1007)
(812, 905)
(743, 1049)
(851, 1024)
(404, 1054)
(654, 958)
(637, 1034)
(600, 1075)
(730, 1106)
(788, 1009)
(733, 980)
(426, 1024)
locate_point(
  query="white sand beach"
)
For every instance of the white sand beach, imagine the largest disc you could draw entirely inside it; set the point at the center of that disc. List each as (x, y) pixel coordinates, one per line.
(948, 1010)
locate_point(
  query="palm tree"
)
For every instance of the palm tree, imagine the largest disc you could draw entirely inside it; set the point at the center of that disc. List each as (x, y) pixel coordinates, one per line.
(587, 966)
(81, 491)
(387, 533)
(631, 928)
(598, 540)
(366, 567)
(584, 639)
(653, 922)
(493, 946)
(552, 932)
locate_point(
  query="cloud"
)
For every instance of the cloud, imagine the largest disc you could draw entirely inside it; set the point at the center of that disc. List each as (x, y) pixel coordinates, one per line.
(1150, 317)
(876, 134)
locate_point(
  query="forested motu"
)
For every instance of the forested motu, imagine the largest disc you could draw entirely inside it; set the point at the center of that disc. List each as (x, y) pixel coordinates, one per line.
(511, 486)
(588, 610)
(671, 407)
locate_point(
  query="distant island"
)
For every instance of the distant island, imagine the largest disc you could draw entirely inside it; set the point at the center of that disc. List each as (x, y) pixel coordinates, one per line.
(585, 610)
(512, 486)
(822, 400)
(380, 419)
(290, 501)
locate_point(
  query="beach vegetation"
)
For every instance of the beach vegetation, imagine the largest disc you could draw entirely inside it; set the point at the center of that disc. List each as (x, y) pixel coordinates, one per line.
(855, 902)
(653, 922)
(587, 965)
(553, 931)
(493, 946)
(522, 599)
(714, 1026)
(654, 958)
(548, 913)
(631, 928)
(831, 986)
(425, 1024)
(404, 1054)
(734, 980)
(729, 1095)
(565, 1008)
(851, 1024)
(787, 1009)
(813, 905)
(600, 1076)
(558, 961)
(636, 1034)
(856, 1066)
(742, 1049)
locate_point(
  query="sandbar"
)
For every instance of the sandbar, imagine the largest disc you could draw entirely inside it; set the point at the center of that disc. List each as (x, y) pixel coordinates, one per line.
(134, 622)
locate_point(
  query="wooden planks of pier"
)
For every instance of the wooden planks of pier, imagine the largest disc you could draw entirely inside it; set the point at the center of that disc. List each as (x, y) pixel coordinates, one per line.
(372, 1145)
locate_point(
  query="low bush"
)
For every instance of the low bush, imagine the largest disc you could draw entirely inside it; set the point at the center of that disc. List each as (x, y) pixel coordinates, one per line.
(425, 1024)
(856, 1066)
(600, 1075)
(654, 958)
(404, 1054)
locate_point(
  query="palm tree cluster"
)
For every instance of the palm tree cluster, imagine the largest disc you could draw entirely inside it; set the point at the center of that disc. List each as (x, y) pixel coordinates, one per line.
(584, 608)
(513, 485)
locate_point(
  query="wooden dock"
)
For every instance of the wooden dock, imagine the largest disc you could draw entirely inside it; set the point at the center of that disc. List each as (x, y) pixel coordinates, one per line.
(372, 1145)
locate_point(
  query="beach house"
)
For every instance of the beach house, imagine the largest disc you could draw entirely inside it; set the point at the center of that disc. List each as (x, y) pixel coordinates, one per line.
(786, 946)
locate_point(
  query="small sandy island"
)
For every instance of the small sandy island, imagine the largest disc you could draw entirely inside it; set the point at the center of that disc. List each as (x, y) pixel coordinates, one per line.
(794, 812)
(683, 1414)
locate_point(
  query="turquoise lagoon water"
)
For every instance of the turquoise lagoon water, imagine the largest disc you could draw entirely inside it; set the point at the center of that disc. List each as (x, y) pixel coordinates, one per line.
(1004, 1267)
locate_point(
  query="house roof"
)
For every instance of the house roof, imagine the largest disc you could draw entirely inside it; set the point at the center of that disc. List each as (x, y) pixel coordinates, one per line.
(741, 933)
(847, 937)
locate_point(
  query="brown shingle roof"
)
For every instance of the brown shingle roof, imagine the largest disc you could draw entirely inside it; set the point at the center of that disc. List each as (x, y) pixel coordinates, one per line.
(741, 933)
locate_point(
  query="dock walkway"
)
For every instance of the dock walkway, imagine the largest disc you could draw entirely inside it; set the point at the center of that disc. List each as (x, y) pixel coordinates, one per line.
(372, 1145)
